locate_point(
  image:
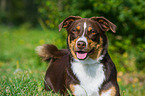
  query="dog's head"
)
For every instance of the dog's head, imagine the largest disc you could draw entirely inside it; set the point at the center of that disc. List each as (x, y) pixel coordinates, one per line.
(86, 36)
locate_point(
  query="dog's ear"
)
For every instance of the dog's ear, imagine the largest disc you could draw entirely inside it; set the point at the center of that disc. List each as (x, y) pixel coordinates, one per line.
(67, 22)
(105, 24)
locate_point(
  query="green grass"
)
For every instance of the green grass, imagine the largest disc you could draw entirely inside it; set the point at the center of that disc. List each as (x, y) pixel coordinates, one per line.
(21, 70)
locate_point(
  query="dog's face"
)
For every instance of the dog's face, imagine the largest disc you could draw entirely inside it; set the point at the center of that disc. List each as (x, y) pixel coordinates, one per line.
(86, 36)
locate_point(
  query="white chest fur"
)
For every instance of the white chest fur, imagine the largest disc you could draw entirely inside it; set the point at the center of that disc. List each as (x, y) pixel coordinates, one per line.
(91, 77)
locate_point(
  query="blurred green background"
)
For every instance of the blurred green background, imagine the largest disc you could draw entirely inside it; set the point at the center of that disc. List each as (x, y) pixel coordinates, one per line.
(26, 24)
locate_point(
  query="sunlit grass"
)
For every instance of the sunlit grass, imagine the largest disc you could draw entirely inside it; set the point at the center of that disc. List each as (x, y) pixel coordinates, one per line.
(21, 70)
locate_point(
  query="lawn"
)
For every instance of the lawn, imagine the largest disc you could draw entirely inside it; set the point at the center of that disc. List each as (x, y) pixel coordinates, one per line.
(22, 72)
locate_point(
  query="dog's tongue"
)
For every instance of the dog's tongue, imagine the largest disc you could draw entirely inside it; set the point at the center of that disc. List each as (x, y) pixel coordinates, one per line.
(81, 55)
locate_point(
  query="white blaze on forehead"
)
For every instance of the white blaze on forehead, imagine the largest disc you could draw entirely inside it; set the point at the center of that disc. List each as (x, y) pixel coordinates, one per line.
(83, 38)
(85, 25)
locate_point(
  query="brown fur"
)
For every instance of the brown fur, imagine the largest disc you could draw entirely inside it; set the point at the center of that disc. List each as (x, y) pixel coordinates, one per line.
(71, 46)
(98, 48)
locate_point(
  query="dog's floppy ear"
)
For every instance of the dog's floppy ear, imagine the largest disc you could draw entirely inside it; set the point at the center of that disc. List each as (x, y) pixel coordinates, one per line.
(67, 22)
(105, 24)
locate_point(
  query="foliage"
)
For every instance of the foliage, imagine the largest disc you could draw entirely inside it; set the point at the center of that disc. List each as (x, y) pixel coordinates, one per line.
(127, 15)
(22, 72)
(13, 12)
(130, 57)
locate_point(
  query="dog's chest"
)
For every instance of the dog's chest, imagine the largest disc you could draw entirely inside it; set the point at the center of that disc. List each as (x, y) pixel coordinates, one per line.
(91, 77)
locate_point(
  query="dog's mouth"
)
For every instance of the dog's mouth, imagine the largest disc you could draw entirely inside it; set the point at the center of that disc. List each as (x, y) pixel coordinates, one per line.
(81, 55)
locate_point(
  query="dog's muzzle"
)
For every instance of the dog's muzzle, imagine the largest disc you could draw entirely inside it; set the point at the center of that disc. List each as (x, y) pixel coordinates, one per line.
(81, 54)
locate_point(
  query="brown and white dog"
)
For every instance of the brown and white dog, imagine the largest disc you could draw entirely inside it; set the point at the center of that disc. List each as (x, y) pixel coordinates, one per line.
(85, 68)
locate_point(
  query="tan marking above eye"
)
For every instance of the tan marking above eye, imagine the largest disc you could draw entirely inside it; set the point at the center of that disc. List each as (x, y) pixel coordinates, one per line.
(89, 29)
(78, 27)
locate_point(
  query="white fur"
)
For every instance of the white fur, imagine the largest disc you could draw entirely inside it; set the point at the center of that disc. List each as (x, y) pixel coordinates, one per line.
(108, 93)
(90, 74)
(39, 50)
(85, 25)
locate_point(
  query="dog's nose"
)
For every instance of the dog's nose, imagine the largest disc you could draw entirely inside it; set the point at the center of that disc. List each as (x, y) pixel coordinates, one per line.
(81, 44)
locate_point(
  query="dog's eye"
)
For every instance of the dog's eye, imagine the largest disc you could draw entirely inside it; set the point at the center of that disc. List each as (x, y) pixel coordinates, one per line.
(93, 32)
(74, 31)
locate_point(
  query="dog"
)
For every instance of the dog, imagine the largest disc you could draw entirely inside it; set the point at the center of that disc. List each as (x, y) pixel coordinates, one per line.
(85, 67)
